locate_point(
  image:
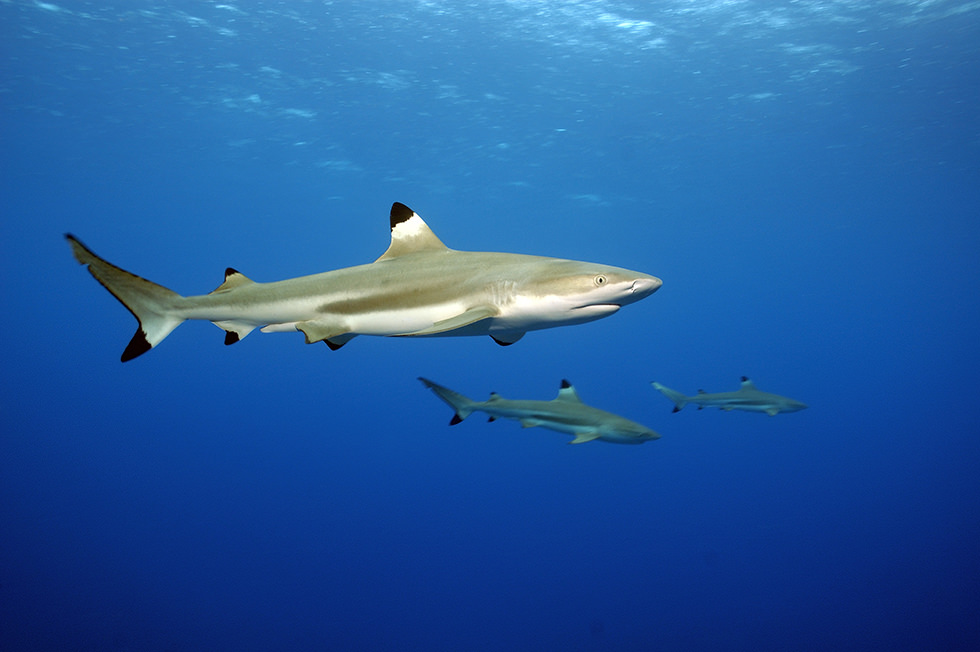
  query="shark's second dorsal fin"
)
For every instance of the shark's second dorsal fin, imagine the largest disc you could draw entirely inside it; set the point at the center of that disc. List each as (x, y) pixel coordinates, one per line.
(567, 393)
(409, 234)
(233, 279)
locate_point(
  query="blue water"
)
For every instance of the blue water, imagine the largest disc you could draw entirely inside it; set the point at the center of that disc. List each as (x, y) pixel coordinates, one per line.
(804, 177)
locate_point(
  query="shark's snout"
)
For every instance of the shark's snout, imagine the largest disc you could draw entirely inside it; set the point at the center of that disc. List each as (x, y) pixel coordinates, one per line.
(645, 286)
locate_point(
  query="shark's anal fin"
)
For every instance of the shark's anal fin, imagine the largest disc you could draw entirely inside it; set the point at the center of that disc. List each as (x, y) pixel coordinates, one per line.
(465, 318)
(235, 331)
(584, 437)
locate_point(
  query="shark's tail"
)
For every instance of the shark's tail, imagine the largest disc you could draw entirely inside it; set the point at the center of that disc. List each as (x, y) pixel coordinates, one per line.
(461, 405)
(679, 399)
(154, 306)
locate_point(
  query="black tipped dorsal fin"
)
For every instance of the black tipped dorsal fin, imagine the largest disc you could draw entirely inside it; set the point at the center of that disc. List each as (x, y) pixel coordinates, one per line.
(567, 393)
(409, 234)
(233, 279)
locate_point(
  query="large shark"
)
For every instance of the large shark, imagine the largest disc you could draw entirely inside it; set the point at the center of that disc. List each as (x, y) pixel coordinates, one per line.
(747, 398)
(565, 413)
(418, 287)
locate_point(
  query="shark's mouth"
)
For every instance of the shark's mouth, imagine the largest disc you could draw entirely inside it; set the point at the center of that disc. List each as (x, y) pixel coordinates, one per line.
(596, 310)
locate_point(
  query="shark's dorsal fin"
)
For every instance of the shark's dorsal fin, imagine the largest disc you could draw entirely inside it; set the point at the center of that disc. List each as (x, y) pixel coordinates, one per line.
(233, 279)
(409, 234)
(567, 393)
(747, 384)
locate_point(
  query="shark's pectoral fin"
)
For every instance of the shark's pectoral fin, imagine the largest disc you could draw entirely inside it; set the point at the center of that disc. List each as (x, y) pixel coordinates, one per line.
(584, 437)
(507, 338)
(470, 316)
(530, 423)
(329, 331)
(772, 411)
(234, 331)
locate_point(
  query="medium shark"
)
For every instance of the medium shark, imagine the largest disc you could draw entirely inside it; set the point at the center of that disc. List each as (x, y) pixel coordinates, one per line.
(418, 287)
(565, 413)
(747, 398)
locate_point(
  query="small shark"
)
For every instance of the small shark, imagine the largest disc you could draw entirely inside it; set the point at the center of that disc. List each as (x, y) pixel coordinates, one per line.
(565, 413)
(418, 287)
(747, 398)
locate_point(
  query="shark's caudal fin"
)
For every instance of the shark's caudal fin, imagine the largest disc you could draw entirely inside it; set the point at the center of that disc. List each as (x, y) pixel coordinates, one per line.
(679, 399)
(462, 406)
(153, 305)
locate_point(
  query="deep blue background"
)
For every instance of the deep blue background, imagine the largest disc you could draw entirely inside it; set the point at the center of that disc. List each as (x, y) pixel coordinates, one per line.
(805, 180)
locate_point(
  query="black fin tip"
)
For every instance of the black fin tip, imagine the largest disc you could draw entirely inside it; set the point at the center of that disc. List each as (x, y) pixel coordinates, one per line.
(400, 213)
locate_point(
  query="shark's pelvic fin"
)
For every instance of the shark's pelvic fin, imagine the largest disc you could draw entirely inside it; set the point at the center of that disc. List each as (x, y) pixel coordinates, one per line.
(329, 331)
(336, 342)
(153, 305)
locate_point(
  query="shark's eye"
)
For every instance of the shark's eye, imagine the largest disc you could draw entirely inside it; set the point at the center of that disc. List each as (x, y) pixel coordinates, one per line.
(599, 280)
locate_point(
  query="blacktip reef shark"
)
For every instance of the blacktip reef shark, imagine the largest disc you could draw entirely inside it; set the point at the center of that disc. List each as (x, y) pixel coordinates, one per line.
(565, 413)
(418, 287)
(747, 398)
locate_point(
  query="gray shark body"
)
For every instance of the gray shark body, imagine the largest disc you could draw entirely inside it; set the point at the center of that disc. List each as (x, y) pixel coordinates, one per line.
(747, 398)
(418, 287)
(566, 413)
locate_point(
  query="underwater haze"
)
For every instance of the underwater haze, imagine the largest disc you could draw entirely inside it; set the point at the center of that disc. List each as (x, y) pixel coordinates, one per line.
(803, 176)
